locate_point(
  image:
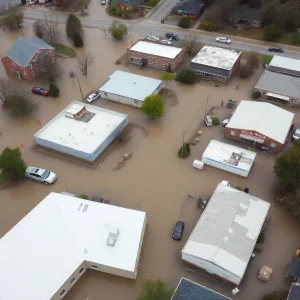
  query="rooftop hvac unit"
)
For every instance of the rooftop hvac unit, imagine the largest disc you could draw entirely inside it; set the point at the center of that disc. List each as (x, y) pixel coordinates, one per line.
(75, 111)
(112, 236)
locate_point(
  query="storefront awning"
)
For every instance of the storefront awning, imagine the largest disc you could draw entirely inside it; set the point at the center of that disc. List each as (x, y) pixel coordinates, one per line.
(285, 98)
(252, 138)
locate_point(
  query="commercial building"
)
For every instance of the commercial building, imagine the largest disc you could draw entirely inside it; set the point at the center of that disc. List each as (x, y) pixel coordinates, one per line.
(49, 250)
(229, 158)
(260, 124)
(285, 65)
(190, 290)
(223, 240)
(155, 55)
(128, 88)
(81, 130)
(216, 63)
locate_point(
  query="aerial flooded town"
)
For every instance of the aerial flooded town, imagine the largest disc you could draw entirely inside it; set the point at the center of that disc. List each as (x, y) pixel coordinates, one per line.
(149, 150)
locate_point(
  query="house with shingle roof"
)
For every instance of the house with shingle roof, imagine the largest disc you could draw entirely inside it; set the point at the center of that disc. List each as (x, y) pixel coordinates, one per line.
(190, 8)
(246, 16)
(24, 57)
(189, 290)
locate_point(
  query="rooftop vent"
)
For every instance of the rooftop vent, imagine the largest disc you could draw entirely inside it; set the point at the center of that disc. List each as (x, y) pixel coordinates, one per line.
(75, 111)
(112, 236)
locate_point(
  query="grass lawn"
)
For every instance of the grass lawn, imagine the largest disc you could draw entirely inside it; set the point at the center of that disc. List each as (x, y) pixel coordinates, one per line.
(2, 179)
(63, 49)
(266, 58)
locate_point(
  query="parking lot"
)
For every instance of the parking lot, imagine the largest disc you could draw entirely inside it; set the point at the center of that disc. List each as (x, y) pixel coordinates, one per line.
(155, 179)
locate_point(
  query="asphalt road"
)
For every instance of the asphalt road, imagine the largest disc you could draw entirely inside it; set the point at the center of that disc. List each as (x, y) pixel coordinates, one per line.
(163, 9)
(150, 27)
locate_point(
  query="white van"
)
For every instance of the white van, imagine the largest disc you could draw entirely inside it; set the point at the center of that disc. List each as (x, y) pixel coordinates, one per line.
(208, 121)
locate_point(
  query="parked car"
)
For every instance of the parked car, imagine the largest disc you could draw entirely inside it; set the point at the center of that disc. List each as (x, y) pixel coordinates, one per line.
(166, 42)
(225, 122)
(223, 40)
(40, 91)
(296, 135)
(178, 230)
(172, 36)
(92, 97)
(103, 2)
(276, 49)
(208, 121)
(152, 38)
(40, 174)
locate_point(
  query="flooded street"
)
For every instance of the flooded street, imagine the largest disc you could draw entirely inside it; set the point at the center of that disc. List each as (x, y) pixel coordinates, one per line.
(155, 179)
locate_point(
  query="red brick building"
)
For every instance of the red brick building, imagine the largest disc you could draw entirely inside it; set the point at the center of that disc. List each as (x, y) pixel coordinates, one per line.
(190, 8)
(260, 124)
(155, 55)
(128, 5)
(24, 59)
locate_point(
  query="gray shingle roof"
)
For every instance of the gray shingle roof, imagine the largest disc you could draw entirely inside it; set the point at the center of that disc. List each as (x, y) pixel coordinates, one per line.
(294, 293)
(244, 12)
(294, 267)
(189, 290)
(24, 49)
(189, 5)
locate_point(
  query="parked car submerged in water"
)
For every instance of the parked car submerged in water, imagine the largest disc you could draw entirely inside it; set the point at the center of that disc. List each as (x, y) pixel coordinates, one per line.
(40, 174)
(178, 230)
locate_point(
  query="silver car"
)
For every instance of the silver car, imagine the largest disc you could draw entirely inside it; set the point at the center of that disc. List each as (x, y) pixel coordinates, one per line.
(92, 97)
(40, 174)
(296, 135)
(166, 42)
(152, 38)
(223, 40)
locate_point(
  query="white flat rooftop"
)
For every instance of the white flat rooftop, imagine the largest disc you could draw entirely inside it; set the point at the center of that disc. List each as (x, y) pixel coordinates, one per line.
(228, 154)
(43, 250)
(80, 135)
(130, 85)
(156, 49)
(227, 230)
(264, 118)
(217, 57)
(285, 63)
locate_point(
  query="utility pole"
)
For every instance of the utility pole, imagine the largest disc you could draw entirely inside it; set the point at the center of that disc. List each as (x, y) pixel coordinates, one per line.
(79, 86)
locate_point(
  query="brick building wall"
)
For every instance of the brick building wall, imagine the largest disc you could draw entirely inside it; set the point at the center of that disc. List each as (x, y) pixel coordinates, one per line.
(154, 61)
(28, 72)
(234, 133)
(235, 66)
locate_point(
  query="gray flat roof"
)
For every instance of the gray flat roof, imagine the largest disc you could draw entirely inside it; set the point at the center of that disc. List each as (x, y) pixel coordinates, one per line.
(278, 83)
(130, 85)
(285, 63)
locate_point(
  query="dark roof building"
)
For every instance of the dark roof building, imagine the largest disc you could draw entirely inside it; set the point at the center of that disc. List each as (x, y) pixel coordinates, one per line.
(294, 293)
(129, 4)
(216, 63)
(24, 49)
(191, 8)
(247, 16)
(294, 268)
(189, 290)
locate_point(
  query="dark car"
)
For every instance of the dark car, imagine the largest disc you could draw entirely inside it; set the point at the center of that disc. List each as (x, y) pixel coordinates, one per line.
(276, 49)
(178, 230)
(40, 91)
(172, 36)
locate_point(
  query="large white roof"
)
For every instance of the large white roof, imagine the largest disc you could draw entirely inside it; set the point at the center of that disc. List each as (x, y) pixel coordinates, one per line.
(156, 49)
(231, 155)
(217, 57)
(80, 135)
(43, 250)
(285, 63)
(130, 85)
(264, 118)
(227, 230)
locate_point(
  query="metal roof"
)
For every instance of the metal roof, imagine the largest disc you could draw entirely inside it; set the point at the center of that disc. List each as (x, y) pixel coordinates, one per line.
(294, 293)
(24, 49)
(285, 63)
(130, 85)
(264, 118)
(45, 248)
(227, 230)
(189, 6)
(294, 267)
(279, 83)
(189, 290)
(217, 57)
(209, 70)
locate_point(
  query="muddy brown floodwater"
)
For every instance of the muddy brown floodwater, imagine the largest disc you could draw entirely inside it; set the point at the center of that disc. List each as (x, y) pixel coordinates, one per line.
(155, 179)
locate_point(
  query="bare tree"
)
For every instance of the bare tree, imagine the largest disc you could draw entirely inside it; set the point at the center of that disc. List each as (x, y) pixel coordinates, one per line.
(84, 62)
(48, 67)
(190, 44)
(82, 5)
(5, 89)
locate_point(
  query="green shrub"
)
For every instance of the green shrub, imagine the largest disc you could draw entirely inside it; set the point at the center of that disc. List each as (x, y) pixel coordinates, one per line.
(215, 121)
(261, 237)
(184, 22)
(296, 38)
(256, 94)
(53, 90)
(272, 33)
(153, 106)
(83, 196)
(77, 40)
(113, 9)
(187, 76)
(184, 150)
(239, 188)
(73, 25)
(207, 26)
(153, 2)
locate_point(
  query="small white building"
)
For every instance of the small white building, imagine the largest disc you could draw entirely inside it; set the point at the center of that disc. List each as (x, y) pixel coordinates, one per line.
(82, 130)
(128, 88)
(49, 250)
(228, 158)
(224, 238)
